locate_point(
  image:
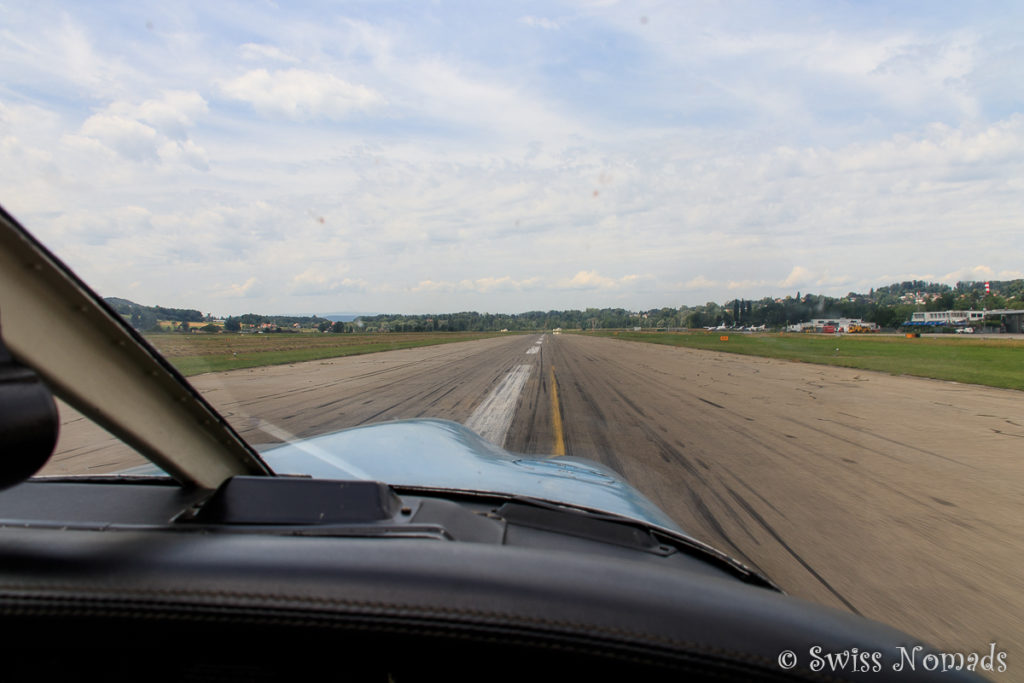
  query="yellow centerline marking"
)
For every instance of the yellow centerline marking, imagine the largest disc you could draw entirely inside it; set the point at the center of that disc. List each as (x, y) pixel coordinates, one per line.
(556, 416)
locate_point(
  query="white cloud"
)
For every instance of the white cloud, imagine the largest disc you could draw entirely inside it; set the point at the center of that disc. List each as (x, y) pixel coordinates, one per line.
(261, 52)
(976, 273)
(495, 284)
(939, 147)
(154, 130)
(744, 285)
(590, 279)
(798, 276)
(46, 46)
(172, 114)
(432, 286)
(320, 281)
(128, 137)
(299, 94)
(907, 277)
(483, 285)
(700, 282)
(540, 22)
(187, 153)
(249, 289)
(14, 149)
(482, 100)
(586, 280)
(27, 120)
(103, 227)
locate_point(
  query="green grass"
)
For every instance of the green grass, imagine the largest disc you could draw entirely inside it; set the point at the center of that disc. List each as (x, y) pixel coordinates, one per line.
(992, 362)
(193, 354)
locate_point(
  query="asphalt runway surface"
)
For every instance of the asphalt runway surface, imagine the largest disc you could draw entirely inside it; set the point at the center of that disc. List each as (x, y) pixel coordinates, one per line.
(895, 497)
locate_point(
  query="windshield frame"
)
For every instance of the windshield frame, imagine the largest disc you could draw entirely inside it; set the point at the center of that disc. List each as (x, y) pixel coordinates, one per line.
(91, 358)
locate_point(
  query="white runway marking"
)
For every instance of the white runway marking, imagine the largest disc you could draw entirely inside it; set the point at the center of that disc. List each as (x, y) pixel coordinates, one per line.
(493, 417)
(532, 350)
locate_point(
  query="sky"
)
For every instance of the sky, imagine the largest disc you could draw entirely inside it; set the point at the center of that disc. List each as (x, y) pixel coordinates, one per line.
(418, 157)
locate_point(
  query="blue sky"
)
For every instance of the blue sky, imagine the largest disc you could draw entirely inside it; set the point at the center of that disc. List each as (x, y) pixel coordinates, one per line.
(436, 156)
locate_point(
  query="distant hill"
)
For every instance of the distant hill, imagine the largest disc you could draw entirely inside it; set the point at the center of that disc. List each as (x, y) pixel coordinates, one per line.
(145, 317)
(347, 317)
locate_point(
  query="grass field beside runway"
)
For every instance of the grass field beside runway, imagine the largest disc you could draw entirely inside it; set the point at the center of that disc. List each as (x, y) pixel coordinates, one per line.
(991, 362)
(195, 354)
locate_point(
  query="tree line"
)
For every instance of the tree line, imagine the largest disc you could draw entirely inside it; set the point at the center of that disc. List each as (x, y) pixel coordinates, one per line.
(887, 306)
(275, 323)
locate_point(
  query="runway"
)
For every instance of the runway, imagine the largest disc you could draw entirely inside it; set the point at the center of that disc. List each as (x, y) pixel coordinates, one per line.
(895, 497)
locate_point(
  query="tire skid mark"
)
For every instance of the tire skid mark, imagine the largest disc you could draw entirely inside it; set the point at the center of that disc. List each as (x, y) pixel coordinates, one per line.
(1001, 432)
(629, 402)
(796, 556)
(374, 416)
(833, 435)
(436, 400)
(666, 389)
(816, 450)
(861, 430)
(667, 452)
(605, 453)
(705, 514)
(755, 492)
(347, 382)
(670, 455)
(469, 367)
(867, 474)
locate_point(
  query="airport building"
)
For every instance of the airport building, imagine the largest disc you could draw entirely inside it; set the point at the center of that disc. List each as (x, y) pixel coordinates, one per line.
(830, 325)
(1009, 319)
(946, 317)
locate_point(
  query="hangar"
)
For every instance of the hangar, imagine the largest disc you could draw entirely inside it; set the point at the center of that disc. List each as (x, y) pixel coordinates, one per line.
(1010, 317)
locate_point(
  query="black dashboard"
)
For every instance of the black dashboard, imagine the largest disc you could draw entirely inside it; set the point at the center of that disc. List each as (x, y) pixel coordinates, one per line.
(392, 585)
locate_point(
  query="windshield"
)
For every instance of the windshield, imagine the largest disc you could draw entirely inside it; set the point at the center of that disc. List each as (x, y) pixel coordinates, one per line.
(760, 260)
